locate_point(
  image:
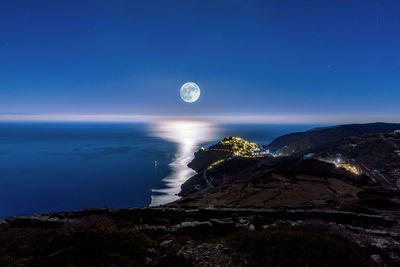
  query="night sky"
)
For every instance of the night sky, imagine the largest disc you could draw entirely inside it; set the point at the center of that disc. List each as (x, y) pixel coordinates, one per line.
(264, 58)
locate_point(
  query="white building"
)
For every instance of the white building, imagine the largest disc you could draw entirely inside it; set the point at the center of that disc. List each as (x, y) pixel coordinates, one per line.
(308, 156)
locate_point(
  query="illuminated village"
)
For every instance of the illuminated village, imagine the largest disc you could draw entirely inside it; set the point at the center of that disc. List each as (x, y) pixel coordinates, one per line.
(338, 161)
(239, 147)
(351, 168)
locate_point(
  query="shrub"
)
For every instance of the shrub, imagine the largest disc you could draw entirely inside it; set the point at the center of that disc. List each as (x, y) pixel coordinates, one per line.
(295, 246)
(95, 246)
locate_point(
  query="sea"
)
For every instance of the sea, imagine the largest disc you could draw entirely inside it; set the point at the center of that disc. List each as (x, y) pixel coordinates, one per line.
(66, 166)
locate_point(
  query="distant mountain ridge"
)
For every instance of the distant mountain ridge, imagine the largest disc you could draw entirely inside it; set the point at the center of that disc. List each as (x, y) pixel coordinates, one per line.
(302, 141)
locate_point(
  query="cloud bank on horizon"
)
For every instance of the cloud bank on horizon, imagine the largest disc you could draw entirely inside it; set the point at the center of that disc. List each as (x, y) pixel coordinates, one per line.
(284, 119)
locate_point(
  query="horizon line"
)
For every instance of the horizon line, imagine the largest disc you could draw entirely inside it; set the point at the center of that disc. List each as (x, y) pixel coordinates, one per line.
(284, 119)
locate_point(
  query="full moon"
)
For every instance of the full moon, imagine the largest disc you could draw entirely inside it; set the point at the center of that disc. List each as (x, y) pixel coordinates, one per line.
(190, 92)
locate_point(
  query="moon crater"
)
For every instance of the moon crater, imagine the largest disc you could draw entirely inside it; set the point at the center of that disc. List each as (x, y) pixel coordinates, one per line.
(190, 92)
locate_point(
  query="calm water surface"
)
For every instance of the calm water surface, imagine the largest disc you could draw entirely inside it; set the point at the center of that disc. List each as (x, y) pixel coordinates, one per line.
(67, 166)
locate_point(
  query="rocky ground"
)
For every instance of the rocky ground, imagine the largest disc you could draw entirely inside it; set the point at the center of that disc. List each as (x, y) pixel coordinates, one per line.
(199, 237)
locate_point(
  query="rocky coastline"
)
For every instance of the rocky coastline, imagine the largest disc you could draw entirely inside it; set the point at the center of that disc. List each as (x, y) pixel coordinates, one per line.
(332, 203)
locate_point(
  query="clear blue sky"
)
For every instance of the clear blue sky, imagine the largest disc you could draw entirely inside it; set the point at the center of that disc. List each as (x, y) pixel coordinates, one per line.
(249, 57)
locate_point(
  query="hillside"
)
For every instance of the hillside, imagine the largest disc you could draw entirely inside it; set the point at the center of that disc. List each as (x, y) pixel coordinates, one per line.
(301, 141)
(336, 175)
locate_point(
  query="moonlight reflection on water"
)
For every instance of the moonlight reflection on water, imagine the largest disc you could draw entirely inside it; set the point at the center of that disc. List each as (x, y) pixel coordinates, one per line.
(188, 135)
